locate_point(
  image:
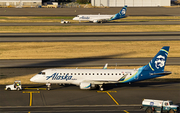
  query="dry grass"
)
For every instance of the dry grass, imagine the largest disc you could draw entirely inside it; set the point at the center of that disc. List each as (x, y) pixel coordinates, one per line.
(9, 75)
(120, 28)
(64, 50)
(58, 19)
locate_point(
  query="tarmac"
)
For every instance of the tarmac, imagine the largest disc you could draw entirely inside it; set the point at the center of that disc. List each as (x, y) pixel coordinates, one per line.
(93, 36)
(69, 98)
(131, 11)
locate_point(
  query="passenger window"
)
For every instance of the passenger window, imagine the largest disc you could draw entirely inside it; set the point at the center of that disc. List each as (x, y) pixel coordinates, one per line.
(74, 73)
(89, 73)
(112, 73)
(86, 73)
(104, 73)
(64, 73)
(119, 73)
(97, 73)
(82, 73)
(93, 73)
(116, 73)
(43, 73)
(101, 73)
(40, 73)
(71, 73)
(78, 73)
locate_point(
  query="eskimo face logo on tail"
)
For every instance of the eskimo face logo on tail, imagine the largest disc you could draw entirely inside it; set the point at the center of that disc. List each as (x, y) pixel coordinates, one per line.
(123, 11)
(160, 61)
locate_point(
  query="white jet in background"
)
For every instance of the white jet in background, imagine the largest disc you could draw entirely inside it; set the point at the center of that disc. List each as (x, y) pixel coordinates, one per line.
(102, 18)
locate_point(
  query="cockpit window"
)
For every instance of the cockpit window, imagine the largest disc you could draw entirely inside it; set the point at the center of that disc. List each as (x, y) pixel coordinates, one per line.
(42, 73)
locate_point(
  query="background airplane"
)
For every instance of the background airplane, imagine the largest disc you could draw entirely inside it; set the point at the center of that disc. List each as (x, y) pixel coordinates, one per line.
(92, 78)
(102, 18)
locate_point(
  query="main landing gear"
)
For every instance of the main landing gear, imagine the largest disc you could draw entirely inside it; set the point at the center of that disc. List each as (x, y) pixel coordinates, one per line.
(101, 87)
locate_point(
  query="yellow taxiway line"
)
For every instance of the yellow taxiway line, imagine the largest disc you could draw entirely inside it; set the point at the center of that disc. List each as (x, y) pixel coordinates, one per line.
(126, 111)
(31, 92)
(36, 88)
(109, 95)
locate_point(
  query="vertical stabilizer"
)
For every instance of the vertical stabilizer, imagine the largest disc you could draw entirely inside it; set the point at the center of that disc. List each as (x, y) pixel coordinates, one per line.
(159, 61)
(121, 14)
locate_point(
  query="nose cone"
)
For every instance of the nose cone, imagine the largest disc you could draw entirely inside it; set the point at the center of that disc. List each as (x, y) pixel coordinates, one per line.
(75, 18)
(33, 79)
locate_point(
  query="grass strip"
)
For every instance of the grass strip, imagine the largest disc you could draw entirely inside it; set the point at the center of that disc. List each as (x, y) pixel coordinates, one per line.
(58, 19)
(66, 50)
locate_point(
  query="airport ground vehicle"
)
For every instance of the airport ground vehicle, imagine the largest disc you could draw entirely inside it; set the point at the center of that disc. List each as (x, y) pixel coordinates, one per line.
(64, 22)
(152, 106)
(15, 86)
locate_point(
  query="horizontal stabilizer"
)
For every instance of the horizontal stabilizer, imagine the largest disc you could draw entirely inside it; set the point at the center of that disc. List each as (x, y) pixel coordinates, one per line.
(162, 73)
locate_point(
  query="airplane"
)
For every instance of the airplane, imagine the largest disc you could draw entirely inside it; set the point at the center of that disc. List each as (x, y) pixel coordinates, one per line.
(105, 66)
(102, 18)
(92, 78)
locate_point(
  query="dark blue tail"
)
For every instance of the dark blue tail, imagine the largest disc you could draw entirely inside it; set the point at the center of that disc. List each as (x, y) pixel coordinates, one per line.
(121, 14)
(159, 61)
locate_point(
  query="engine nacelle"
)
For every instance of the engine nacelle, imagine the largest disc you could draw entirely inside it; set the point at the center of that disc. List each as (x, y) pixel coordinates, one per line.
(95, 21)
(87, 85)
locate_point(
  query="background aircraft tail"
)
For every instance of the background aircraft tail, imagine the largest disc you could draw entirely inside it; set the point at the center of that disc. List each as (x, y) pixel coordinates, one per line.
(121, 14)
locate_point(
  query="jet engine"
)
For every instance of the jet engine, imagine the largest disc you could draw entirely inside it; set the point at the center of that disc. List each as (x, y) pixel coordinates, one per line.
(86, 85)
(95, 21)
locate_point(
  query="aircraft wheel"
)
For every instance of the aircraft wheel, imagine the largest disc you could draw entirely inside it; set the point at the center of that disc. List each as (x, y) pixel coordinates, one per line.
(148, 110)
(9, 89)
(101, 89)
(48, 88)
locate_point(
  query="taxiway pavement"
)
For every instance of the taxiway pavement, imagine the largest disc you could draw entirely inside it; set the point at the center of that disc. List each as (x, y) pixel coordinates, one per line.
(78, 62)
(70, 98)
(91, 24)
(131, 11)
(93, 36)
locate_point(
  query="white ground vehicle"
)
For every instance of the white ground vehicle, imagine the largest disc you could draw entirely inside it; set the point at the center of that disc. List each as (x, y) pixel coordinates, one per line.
(15, 86)
(64, 22)
(152, 106)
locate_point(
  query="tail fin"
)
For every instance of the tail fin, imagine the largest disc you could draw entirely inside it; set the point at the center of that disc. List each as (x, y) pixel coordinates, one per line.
(159, 61)
(121, 14)
(105, 66)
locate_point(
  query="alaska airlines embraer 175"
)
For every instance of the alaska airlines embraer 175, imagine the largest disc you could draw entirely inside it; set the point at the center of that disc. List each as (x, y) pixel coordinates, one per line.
(102, 18)
(92, 78)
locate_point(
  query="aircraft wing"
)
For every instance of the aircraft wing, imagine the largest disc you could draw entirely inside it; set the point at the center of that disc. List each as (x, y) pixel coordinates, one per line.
(100, 19)
(98, 82)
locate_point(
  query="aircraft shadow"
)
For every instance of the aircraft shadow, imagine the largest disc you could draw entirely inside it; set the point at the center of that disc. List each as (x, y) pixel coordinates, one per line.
(146, 83)
(74, 62)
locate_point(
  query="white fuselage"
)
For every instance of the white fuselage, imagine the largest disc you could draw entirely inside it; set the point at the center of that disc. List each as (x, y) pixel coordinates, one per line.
(92, 17)
(77, 76)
